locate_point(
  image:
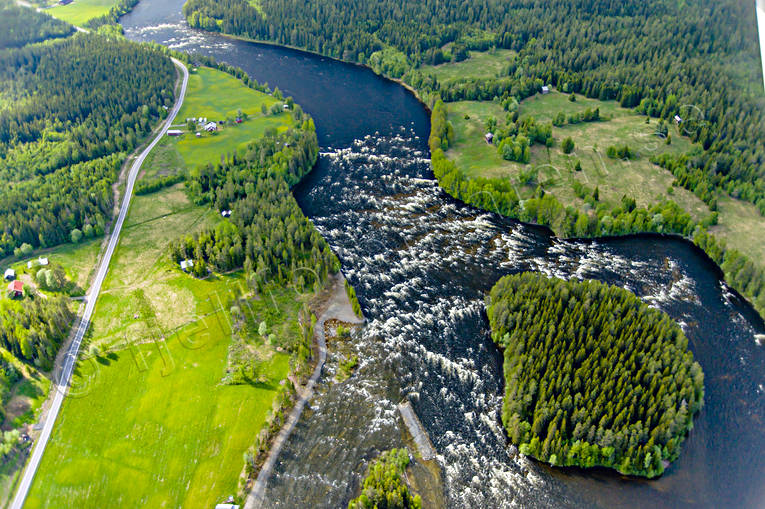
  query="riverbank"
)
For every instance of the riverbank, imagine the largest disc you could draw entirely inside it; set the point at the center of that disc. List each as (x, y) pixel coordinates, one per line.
(416, 93)
(194, 350)
(332, 304)
(366, 199)
(739, 267)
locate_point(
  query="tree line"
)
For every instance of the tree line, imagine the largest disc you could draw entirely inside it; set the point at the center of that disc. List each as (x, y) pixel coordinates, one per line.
(666, 57)
(20, 26)
(499, 195)
(594, 377)
(77, 107)
(33, 329)
(267, 234)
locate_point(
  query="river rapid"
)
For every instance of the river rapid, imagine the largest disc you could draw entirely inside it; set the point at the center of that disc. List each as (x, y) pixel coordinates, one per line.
(422, 262)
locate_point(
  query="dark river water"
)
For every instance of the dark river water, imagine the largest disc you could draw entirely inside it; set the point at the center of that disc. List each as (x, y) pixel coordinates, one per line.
(421, 263)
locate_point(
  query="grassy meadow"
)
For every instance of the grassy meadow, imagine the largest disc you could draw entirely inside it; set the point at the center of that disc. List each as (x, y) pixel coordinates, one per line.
(637, 177)
(741, 226)
(80, 12)
(205, 99)
(487, 64)
(150, 422)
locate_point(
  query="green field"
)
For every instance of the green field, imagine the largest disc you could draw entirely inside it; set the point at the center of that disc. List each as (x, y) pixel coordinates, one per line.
(741, 226)
(150, 422)
(80, 12)
(78, 260)
(639, 178)
(486, 64)
(203, 100)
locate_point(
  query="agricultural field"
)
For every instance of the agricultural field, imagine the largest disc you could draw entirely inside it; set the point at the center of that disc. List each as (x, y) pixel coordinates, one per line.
(80, 12)
(554, 169)
(158, 352)
(486, 64)
(205, 99)
(152, 420)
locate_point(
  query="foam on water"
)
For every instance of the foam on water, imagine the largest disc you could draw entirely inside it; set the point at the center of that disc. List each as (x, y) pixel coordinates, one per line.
(421, 266)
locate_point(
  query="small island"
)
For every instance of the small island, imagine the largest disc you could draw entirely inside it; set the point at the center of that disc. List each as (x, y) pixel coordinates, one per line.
(593, 376)
(385, 485)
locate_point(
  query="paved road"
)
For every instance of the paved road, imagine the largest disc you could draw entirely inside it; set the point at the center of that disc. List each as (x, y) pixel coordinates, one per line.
(62, 385)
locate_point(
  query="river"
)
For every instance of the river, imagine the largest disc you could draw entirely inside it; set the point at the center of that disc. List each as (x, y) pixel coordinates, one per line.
(421, 263)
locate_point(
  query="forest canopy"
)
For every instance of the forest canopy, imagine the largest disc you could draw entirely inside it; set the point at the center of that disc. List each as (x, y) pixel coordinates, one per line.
(594, 377)
(384, 486)
(72, 111)
(665, 57)
(20, 26)
(267, 234)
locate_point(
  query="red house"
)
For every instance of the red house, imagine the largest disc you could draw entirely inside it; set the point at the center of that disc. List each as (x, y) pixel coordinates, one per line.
(16, 289)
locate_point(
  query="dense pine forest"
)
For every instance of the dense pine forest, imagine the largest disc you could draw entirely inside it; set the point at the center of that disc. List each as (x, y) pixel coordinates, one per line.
(33, 329)
(594, 377)
(267, 233)
(385, 487)
(72, 110)
(20, 26)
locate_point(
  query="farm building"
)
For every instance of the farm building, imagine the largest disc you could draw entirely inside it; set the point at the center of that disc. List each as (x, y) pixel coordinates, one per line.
(187, 265)
(10, 274)
(489, 137)
(211, 127)
(174, 132)
(16, 289)
(545, 90)
(40, 261)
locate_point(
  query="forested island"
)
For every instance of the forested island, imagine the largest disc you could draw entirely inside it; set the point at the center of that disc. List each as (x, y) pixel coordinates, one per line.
(663, 60)
(384, 486)
(594, 377)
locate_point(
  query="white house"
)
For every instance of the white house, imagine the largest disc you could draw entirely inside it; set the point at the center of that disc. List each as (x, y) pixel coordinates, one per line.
(545, 90)
(10, 274)
(42, 261)
(678, 120)
(211, 127)
(187, 264)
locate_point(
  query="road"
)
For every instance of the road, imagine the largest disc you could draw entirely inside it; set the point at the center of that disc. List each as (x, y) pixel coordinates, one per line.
(340, 309)
(61, 387)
